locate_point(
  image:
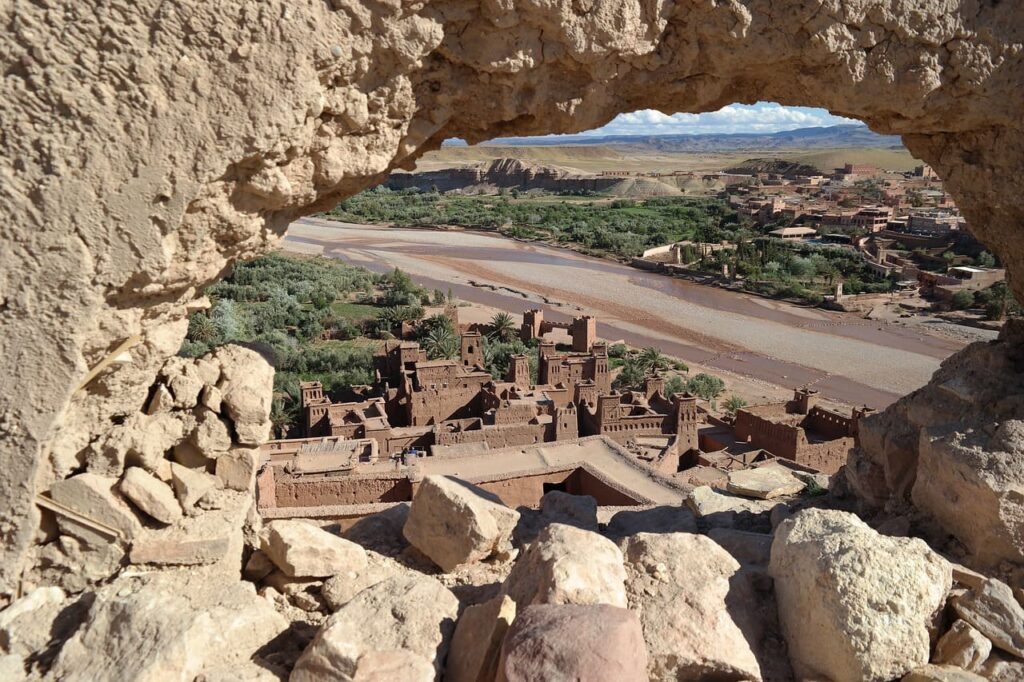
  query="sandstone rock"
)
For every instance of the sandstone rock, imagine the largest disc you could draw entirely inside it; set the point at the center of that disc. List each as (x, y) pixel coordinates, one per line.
(747, 548)
(391, 666)
(412, 613)
(162, 401)
(962, 646)
(185, 385)
(258, 566)
(339, 589)
(679, 583)
(476, 644)
(727, 511)
(566, 565)
(212, 435)
(142, 440)
(454, 522)
(190, 485)
(764, 483)
(247, 385)
(150, 494)
(1002, 667)
(236, 469)
(302, 550)
(25, 625)
(941, 673)
(211, 398)
(995, 612)
(971, 484)
(171, 626)
(178, 550)
(853, 604)
(94, 497)
(572, 510)
(595, 642)
(12, 667)
(663, 519)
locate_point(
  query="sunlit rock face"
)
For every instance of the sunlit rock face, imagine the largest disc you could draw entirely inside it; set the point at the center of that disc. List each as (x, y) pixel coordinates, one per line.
(148, 145)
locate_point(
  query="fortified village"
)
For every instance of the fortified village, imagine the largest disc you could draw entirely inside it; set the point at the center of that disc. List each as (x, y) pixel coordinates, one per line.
(451, 416)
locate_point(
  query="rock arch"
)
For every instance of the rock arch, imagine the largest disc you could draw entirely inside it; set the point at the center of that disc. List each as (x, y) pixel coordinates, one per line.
(147, 145)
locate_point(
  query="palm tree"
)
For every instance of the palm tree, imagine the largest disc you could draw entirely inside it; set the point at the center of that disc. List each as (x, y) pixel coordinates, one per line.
(651, 359)
(441, 344)
(503, 328)
(631, 375)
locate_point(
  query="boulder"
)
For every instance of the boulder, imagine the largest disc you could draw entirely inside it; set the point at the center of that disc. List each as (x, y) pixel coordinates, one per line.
(190, 485)
(476, 645)
(150, 494)
(410, 613)
(764, 483)
(994, 611)
(663, 519)
(95, 497)
(394, 666)
(566, 565)
(679, 583)
(142, 440)
(246, 386)
(971, 484)
(594, 642)
(747, 548)
(258, 566)
(25, 625)
(453, 522)
(727, 511)
(212, 435)
(171, 626)
(572, 510)
(236, 468)
(941, 673)
(854, 604)
(1002, 667)
(340, 588)
(302, 550)
(962, 646)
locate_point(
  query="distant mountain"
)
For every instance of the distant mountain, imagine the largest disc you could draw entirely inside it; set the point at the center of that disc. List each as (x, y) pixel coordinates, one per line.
(852, 135)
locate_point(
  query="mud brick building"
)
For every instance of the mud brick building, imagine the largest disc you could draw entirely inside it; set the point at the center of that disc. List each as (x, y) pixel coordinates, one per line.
(800, 430)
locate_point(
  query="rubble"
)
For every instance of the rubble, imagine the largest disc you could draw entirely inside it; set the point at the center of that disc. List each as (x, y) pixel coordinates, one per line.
(150, 494)
(171, 626)
(962, 646)
(566, 565)
(853, 604)
(190, 485)
(994, 611)
(476, 644)
(572, 510)
(301, 550)
(454, 522)
(95, 497)
(593, 642)
(413, 614)
(764, 483)
(679, 584)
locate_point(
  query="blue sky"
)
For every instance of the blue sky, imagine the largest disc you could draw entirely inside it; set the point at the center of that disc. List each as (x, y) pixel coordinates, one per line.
(763, 117)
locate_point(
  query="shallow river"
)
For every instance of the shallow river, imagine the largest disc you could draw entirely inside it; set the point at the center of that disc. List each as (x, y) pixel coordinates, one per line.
(847, 358)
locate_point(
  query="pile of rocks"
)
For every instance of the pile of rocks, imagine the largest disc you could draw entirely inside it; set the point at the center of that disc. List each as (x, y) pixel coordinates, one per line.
(824, 597)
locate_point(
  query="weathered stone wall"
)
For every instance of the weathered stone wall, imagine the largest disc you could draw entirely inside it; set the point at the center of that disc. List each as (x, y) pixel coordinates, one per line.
(146, 145)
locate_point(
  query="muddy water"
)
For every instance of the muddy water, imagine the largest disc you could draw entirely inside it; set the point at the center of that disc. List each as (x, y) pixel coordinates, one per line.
(848, 359)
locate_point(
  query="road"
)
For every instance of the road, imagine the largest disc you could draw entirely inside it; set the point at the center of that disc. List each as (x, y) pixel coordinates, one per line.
(847, 358)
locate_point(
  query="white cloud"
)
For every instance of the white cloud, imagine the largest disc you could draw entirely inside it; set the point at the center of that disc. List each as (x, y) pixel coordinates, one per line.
(735, 118)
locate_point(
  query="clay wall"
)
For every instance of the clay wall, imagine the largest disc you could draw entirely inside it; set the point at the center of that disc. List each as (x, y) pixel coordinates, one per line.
(500, 436)
(341, 490)
(828, 424)
(782, 440)
(587, 483)
(825, 457)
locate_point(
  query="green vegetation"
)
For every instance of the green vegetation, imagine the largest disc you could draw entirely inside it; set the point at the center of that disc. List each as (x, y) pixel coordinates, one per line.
(803, 271)
(734, 403)
(310, 316)
(622, 227)
(706, 386)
